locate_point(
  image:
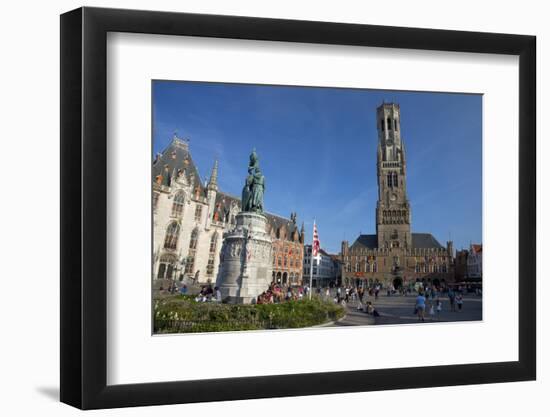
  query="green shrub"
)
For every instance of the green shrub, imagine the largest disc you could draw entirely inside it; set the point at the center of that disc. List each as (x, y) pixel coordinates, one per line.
(181, 314)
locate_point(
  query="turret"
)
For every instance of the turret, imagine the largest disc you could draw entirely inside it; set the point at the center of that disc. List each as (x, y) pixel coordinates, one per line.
(212, 191)
(213, 182)
(450, 249)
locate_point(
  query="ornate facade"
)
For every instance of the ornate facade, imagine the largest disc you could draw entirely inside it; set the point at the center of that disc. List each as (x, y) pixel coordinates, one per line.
(394, 254)
(190, 218)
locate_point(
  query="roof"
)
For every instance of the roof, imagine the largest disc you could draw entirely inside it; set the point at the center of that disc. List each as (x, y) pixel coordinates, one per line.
(176, 157)
(365, 241)
(419, 240)
(425, 241)
(477, 248)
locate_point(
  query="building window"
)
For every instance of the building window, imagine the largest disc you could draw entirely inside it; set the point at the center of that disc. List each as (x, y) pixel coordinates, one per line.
(166, 267)
(374, 266)
(172, 234)
(280, 263)
(212, 254)
(213, 243)
(382, 126)
(198, 212)
(177, 205)
(395, 124)
(389, 123)
(394, 175)
(194, 239)
(190, 264)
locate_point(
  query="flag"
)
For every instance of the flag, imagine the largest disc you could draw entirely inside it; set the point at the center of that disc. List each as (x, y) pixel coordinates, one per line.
(316, 246)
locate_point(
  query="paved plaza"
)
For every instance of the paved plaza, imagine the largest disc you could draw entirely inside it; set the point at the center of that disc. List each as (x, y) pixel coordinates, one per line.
(398, 309)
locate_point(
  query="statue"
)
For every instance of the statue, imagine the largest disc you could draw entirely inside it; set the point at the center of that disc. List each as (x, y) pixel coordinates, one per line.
(253, 190)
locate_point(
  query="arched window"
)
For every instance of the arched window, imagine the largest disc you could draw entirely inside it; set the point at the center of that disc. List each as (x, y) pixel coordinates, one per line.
(213, 243)
(172, 235)
(194, 238)
(177, 205)
(382, 126)
(395, 124)
(166, 266)
(390, 179)
(389, 123)
(394, 175)
(190, 264)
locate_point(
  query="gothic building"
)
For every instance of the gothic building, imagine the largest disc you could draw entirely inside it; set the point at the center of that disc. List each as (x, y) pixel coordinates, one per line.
(190, 218)
(394, 254)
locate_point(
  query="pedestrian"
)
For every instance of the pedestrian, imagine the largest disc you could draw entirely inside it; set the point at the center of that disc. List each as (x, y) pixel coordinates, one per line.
(183, 289)
(452, 298)
(459, 302)
(420, 305)
(438, 307)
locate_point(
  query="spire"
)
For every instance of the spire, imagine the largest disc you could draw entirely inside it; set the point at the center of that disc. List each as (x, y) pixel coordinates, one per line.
(213, 182)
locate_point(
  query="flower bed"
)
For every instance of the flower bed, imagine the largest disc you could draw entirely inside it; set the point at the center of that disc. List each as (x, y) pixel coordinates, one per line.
(181, 314)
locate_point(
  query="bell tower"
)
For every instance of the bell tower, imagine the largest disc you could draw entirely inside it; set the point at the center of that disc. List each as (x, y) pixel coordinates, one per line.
(393, 211)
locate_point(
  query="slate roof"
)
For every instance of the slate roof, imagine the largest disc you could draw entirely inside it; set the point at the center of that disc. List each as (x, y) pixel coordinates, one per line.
(425, 241)
(419, 240)
(176, 156)
(365, 241)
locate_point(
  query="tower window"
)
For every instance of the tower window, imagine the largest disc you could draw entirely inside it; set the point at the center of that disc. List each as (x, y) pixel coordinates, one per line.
(394, 175)
(395, 124)
(382, 126)
(389, 123)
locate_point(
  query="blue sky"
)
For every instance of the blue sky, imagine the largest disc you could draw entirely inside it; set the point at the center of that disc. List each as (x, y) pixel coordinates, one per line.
(317, 150)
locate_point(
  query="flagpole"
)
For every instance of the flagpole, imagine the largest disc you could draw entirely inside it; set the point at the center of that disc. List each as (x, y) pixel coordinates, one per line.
(311, 261)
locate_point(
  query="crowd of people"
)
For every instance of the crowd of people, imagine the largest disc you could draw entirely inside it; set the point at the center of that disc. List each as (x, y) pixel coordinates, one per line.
(428, 297)
(278, 294)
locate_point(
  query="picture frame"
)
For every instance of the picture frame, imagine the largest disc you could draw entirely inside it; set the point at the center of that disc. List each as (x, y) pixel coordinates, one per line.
(84, 180)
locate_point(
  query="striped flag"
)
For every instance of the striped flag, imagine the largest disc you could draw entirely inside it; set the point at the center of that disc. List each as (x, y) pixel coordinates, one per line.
(316, 246)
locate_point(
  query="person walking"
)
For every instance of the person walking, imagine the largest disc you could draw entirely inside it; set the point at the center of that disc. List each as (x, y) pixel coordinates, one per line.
(459, 302)
(438, 307)
(452, 298)
(420, 306)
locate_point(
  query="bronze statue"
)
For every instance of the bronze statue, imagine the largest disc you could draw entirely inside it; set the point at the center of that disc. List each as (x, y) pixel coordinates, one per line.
(253, 190)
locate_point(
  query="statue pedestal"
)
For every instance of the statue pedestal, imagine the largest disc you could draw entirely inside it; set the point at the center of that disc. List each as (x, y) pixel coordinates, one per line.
(246, 266)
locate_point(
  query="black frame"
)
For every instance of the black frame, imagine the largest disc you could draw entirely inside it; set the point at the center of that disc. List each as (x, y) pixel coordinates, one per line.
(84, 207)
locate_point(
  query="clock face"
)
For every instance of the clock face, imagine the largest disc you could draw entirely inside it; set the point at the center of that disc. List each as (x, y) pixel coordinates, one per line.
(393, 197)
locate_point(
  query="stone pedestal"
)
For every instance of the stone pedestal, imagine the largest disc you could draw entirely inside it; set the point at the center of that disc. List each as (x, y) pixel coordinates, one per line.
(246, 259)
